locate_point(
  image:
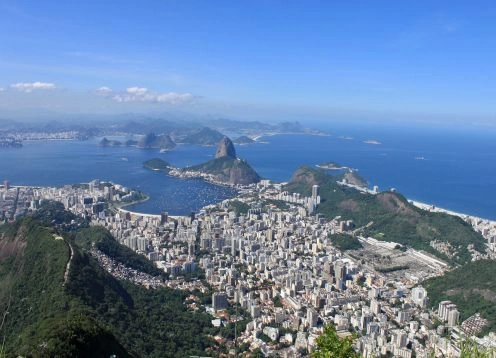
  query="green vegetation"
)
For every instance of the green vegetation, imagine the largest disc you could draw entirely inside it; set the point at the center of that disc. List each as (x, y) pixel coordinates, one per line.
(352, 177)
(238, 207)
(388, 216)
(53, 213)
(470, 349)
(103, 241)
(45, 315)
(472, 287)
(229, 170)
(345, 242)
(280, 204)
(330, 345)
(243, 140)
(157, 164)
(151, 140)
(75, 336)
(206, 136)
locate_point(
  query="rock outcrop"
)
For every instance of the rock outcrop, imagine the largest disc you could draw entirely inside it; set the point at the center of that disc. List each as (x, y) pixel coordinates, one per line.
(226, 167)
(225, 148)
(151, 140)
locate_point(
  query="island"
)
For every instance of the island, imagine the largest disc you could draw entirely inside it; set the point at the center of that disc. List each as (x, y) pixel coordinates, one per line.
(205, 136)
(372, 141)
(109, 143)
(157, 165)
(243, 140)
(225, 169)
(151, 140)
(330, 166)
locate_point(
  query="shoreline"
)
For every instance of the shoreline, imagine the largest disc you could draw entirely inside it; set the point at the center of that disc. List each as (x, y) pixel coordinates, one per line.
(434, 208)
(258, 136)
(416, 203)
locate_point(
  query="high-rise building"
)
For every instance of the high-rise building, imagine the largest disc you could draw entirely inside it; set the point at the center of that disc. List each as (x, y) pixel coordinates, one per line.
(141, 242)
(419, 296)
(312, 317)
(219, 301)
(315, 192)
(6, 184)
(453, 317)
(441, 310)
(401, 339)
(375, 307)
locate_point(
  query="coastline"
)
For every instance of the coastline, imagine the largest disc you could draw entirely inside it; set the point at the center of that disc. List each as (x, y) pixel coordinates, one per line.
(434, 208)
(258, 136)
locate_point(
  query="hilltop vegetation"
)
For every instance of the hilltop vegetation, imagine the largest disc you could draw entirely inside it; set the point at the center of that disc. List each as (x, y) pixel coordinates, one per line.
(42, 317)
(151, 140)
(92, 313)
(229, 170)
(205, 136)
(101, 239)
(157, 164)
(388, 216)
(472, 287)
(243, 140)
(345, 242)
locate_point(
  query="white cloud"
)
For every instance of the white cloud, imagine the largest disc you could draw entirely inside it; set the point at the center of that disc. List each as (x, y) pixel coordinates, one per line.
(104, 91)
(141, 94)
(137, 90)
(32, 86)
(2, 89)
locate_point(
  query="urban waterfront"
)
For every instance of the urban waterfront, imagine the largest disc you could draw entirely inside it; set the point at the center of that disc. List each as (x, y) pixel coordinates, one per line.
(439, 167)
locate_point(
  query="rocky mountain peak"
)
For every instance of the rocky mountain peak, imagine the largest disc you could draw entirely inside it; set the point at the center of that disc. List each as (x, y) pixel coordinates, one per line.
(225, 148)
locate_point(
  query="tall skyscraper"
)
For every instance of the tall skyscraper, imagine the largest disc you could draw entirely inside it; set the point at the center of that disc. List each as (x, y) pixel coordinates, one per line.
(219, 301)
(164, 216)
(315, 192)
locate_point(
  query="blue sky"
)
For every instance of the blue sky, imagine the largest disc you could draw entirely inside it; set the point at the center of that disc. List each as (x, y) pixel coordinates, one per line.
(250, 59)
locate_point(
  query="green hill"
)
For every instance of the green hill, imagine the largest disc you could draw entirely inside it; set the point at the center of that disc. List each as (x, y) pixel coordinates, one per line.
(205, 136)
(229, 170)
(151, 140)
(389, 216)
(157, 164)
(86, 312)
(472, 287)
(243, 140)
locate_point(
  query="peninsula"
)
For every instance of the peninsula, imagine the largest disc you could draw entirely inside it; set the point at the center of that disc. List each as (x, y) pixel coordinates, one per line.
(225, 169)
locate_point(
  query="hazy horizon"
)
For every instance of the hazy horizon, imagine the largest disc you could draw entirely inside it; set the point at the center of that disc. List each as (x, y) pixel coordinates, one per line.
(277, 61)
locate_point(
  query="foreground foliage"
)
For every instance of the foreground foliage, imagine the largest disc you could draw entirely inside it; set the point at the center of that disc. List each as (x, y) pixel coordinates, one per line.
(330, 345)
(92, 313)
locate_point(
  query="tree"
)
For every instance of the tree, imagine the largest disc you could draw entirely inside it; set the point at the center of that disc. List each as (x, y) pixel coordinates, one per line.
(329, 345)
(470, 349)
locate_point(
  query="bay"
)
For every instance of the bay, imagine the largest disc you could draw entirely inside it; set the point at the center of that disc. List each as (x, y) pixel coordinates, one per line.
(450, 167)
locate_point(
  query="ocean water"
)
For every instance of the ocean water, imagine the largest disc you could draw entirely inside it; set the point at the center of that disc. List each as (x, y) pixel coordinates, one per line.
(451, 167)
(56, 163)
